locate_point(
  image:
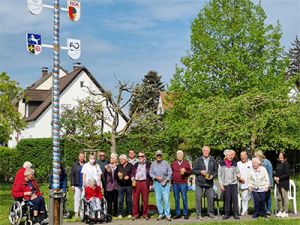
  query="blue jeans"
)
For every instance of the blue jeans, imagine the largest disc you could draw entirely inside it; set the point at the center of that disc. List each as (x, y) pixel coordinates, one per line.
(124, 190)
(177, 189)
(162, 196)
(268, 201)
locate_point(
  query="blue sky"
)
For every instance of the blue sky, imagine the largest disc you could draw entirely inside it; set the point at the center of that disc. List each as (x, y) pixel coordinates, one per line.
(122, 38)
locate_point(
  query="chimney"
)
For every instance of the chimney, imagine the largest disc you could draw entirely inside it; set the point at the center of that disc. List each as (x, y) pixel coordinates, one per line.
(44, 71)
(77, 65)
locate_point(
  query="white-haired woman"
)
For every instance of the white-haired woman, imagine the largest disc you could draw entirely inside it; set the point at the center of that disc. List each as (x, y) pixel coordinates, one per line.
(19, 178)
(111, 185)
(125, 186)
(31, 192)
(258, 182)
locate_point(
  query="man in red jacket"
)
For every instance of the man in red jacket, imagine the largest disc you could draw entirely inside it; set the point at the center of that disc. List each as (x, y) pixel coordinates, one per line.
(181, 170)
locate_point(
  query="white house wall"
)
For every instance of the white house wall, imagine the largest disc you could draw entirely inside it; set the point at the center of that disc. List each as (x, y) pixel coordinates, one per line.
(41, 128)
(47, 84)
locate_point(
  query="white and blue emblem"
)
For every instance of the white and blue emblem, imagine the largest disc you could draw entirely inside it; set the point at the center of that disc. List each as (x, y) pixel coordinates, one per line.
(34, 43)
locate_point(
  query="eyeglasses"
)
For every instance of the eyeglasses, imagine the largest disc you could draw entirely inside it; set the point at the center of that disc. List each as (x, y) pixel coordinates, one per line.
(141, 156)
(101, 155)
(158, 155)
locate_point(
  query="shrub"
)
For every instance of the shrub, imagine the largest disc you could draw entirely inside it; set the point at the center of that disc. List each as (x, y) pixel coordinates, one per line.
(9, 163)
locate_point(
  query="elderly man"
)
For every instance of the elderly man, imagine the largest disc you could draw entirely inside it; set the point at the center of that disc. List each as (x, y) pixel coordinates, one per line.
(132, 159)
(205, 169)
(124, 170)
(228, 174)
(161, 173)
(102, 162)
(245, 167)
(268, 165)
(181, 170)
(141, 182)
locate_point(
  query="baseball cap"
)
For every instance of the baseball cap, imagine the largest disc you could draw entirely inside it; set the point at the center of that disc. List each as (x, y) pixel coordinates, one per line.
(158, 152)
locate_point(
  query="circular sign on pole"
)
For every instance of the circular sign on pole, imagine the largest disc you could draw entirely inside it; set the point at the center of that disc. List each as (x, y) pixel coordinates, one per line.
(35, 6)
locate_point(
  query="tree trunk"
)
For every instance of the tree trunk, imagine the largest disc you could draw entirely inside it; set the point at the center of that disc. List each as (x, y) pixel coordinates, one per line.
(113, 142)
(253, 142)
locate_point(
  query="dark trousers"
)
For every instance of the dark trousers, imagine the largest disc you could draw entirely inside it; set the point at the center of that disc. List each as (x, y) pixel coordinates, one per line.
(177, 189)
(141, 188)
(231, 199)
(112, 202)
(39, 204)
(210, 194)
(259, 203)
(122, 191)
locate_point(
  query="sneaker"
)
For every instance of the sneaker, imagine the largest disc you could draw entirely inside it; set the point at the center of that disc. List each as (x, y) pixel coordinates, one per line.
(244, 213)
(284, 215)
(186, 217)
(120, 217)
(279, 214)
(212, 216)
(160, 217)
(129, 216)
(269, 213)
(168, 218)
(199, 217)
(45, 221)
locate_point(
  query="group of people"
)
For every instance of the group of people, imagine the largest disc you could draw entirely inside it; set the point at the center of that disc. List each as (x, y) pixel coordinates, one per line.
(124, 180)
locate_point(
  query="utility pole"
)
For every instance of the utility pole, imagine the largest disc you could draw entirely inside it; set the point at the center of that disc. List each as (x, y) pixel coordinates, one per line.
(34, 46)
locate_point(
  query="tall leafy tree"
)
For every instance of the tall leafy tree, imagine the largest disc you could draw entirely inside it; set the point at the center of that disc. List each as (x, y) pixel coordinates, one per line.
(294, 56)
(231, 88)
(10, 119)
(147, 94)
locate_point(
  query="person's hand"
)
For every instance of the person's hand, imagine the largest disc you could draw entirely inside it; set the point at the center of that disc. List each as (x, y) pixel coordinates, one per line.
(222, 188)
(266, 189)
(242, 180)
(250, 189)
(33, 197)
(238, 176)
(120, 174)
(28, 193)
(203, 172)
(73, 188)
(126, 177)
(159, 178)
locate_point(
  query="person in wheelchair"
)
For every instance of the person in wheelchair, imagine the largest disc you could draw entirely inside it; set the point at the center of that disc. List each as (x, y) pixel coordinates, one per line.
(93, 195)
(30, 192)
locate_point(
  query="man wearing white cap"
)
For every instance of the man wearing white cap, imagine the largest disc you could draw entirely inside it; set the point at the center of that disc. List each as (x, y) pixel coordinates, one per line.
(123, 172)
(161, 173)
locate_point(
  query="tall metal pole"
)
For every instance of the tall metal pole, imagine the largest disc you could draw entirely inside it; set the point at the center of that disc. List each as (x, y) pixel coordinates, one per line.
(55, 115)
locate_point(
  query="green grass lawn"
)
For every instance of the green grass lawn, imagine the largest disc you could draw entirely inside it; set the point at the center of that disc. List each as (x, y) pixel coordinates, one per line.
(6, 200)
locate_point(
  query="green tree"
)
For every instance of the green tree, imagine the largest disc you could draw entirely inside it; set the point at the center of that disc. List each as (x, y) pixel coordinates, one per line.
(10, 119)
(147, 94)
(231, 91)
(83, 123)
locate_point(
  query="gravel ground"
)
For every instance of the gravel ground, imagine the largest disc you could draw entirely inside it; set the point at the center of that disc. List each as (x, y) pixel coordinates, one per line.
(153, 221)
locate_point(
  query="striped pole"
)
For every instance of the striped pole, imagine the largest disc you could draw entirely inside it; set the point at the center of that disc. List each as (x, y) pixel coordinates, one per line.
(55, 98)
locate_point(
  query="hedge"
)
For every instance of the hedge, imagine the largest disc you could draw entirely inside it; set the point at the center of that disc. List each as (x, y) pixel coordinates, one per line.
(9, 163)
(39, 151)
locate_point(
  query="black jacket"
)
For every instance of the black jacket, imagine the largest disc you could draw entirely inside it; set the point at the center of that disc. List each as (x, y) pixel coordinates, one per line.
(212, 170)
(75, 174)
(126, 172)
(283, 172)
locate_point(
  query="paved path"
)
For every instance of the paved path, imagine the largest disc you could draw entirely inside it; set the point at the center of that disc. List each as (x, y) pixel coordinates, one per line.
(153, 221)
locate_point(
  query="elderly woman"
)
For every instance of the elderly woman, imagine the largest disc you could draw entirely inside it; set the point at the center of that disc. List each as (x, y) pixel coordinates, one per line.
(258, 182)
(111, 185)
(282, 179)
(228, 174)
(31, 192)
